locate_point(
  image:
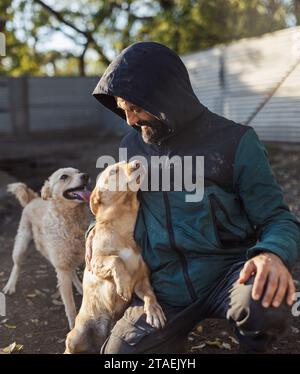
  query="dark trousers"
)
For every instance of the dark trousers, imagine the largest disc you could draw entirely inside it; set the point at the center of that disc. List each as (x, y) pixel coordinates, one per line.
(256, 327)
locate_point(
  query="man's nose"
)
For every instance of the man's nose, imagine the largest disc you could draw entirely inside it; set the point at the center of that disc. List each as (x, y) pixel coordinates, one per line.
(131, 118)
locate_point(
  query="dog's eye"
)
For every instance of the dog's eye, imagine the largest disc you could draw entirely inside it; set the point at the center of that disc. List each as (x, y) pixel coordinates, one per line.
(64, 177)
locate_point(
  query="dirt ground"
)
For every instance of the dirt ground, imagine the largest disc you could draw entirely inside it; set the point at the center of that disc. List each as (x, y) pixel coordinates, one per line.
(35, 318)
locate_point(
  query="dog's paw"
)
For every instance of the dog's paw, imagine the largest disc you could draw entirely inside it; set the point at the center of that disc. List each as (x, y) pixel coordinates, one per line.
(155, 316)
(9, 289)
(124, 291)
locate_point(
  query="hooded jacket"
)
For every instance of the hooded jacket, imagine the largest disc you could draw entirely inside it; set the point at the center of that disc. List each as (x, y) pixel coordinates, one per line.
(189, 246)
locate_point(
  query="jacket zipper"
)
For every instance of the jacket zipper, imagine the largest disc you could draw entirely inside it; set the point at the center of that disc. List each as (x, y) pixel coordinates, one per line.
(221, 206)
(181, 256)
(214, 221)
(172, 242)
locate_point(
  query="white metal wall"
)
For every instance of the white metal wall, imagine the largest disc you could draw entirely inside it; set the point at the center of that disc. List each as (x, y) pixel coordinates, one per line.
(56, 103)
(252, 68)
(5, 118)
(63, 103)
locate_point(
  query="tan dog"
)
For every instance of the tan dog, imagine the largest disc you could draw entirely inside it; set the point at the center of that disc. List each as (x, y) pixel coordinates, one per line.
(118, 269)
(56, 222)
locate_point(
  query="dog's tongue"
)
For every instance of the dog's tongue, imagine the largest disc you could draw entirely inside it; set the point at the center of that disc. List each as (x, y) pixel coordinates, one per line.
(84, 194)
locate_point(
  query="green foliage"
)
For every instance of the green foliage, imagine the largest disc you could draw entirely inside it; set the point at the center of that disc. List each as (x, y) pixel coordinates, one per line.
(191, 25)
(105, 27)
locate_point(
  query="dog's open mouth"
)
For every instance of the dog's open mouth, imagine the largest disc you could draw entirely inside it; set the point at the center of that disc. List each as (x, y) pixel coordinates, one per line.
(78, 193)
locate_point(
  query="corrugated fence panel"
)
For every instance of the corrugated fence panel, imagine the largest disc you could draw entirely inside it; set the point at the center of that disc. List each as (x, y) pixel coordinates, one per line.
(203, 69)
(66, 102)
(253, 67)
(239, 108)
(5, 119)
(281, 115)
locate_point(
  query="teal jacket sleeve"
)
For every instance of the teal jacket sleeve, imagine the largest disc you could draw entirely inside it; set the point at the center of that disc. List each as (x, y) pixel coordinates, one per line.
(278, 229)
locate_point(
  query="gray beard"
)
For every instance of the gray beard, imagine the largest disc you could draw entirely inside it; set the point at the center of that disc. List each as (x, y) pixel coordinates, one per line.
(155, 130)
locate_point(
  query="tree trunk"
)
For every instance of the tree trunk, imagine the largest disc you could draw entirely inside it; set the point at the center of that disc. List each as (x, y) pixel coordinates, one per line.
(82, 62)
(81, 66)
(297, 11)
(2, 23)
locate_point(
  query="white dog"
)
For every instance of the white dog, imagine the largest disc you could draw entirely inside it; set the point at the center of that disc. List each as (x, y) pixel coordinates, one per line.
(56, 222)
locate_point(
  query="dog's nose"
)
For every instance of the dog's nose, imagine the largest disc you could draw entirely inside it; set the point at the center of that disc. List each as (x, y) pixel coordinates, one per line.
(85, 177)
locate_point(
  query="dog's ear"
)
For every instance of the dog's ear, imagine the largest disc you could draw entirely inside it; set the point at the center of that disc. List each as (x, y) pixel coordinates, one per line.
(95, 200)
(46, 191)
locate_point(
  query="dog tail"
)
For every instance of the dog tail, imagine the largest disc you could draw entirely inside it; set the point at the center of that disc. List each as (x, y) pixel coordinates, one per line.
(23, 193)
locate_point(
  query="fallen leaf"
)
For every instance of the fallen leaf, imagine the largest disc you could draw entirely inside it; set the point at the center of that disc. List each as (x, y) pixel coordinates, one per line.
(3, 321)
(295, 330)
(47, 290)
(234, 340)
(39, 293)
(10, 326)
(41, 271)
(31, 295)
(12, 348)
(226, 346)
(218, 343)
(200, 346)
(214, 343)
(54, 308)
(57, 302)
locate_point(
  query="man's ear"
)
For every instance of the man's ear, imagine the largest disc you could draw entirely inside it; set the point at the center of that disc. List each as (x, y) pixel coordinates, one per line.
(95, 200)
(46, 191)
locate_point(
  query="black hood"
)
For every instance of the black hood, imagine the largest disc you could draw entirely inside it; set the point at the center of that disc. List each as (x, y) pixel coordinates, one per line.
(153, 77)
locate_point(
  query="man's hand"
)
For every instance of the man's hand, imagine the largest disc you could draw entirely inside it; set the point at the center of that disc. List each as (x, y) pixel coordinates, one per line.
(89, 249)
(270, 272)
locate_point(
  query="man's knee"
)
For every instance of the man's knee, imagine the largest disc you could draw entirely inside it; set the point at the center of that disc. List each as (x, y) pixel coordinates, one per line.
(271, 321)
(125, 338)
(133, 335)
(252, 319)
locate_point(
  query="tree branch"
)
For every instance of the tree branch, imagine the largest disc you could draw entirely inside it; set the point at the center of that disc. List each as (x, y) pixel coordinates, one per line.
(86, 33)
(60, 17)
(81, 60)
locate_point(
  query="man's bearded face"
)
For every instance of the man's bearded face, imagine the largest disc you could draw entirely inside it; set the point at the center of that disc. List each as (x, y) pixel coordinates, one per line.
(151, 128)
